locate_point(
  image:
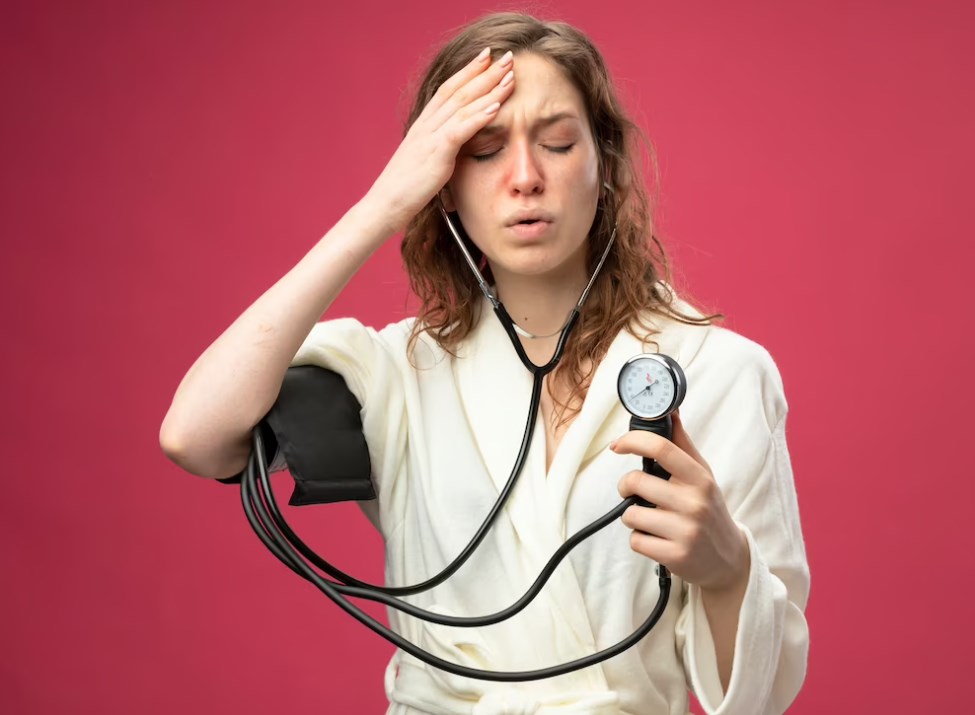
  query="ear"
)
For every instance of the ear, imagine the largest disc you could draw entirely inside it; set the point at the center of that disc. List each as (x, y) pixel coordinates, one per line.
(447, 200)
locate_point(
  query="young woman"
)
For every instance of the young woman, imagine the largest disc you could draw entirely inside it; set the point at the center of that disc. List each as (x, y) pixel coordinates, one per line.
(517, 134)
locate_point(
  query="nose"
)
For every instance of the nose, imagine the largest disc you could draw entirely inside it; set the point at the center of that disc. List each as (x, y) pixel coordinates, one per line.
(525, 174)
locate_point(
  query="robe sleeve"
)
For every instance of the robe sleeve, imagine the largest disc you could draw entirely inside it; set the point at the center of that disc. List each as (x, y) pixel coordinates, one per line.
(370, 362)
(755, 475)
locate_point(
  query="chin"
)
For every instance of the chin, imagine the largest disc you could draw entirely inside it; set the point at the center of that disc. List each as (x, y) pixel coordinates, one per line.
(538, 265)
(552, 256)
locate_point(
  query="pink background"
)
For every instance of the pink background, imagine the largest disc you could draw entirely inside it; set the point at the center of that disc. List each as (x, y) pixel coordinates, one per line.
(162, 165)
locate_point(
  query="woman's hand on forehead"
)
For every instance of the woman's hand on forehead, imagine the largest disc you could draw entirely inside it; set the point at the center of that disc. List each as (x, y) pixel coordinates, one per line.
(425, 159)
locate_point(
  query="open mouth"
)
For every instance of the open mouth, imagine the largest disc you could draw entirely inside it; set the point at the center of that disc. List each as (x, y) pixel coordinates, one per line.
(530, 227)
(533, 220)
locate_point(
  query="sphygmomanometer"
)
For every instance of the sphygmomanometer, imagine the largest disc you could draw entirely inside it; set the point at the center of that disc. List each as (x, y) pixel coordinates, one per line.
(315, 426)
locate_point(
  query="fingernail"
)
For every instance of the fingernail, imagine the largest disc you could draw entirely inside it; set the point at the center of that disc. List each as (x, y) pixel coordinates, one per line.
(612, 445)
(493, 108)
(484, 54)
(507, 58)
(507, 79)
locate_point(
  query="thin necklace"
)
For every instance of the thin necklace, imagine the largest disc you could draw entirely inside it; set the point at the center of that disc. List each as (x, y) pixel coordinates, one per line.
(531, 336)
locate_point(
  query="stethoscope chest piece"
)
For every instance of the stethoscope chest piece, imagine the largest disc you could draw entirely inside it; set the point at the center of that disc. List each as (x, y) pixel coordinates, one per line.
(651, 387)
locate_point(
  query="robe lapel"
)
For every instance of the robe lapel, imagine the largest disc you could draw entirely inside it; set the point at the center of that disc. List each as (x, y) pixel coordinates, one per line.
(495, 390)
(602, 418)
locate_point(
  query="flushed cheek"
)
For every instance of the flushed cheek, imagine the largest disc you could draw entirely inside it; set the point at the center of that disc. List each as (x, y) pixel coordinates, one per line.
(470, 194)
(480, 220)
(589, 171)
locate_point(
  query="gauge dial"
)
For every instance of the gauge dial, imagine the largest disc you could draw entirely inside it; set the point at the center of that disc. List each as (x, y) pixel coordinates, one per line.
(651, 386)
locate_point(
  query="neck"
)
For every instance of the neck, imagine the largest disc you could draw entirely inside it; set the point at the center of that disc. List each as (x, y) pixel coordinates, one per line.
(540, 304)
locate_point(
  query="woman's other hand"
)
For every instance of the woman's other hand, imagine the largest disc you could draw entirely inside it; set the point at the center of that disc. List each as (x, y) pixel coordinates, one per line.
(424, 161)
(690, 531)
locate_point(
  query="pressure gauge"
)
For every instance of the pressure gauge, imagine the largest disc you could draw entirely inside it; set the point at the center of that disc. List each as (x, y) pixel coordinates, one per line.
(651, 386)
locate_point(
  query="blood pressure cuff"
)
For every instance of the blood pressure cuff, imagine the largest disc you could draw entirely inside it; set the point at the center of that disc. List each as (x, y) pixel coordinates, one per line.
(315, 425)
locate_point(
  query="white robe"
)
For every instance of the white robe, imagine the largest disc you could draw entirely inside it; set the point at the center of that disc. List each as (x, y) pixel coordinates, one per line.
(443, 433)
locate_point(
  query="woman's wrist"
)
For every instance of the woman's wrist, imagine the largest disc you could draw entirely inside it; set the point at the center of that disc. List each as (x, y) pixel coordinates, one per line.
(736, 579)
(387, 211)
(372, 219)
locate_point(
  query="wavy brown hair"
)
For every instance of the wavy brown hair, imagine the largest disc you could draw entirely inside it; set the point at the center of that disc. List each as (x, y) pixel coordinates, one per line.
(628, 289)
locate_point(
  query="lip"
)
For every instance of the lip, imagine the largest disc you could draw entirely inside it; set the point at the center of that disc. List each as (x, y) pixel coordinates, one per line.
(537, 215)
(540, 222)
(530, 230)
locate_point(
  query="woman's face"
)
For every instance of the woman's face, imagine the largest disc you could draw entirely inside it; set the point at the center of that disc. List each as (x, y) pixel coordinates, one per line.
(526, 186)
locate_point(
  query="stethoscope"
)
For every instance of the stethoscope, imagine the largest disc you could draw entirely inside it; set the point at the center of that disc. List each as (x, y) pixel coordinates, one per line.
(650, 386)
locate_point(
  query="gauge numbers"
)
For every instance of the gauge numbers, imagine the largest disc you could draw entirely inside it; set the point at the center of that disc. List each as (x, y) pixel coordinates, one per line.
(649, 386)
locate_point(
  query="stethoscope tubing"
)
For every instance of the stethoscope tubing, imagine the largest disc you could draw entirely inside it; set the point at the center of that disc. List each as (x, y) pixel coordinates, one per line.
(538, 373)
(273, 530)
(268, 511)
(465, 553)
(254, 507)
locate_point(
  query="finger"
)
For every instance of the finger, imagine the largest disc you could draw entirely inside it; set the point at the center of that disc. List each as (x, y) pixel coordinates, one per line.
(473, 90)
(464, 124)
(674, 459)
(656, 522)
(683, 440)
(663, 551)
(662, 493)
(466, 73)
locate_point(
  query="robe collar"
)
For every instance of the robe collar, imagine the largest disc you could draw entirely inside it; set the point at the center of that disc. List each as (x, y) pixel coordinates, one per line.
(495, 389)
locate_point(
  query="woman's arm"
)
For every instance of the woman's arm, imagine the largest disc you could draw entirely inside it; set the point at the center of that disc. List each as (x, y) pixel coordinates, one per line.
(741, 632)
(722, 606)
(692, 531)
(234, 383)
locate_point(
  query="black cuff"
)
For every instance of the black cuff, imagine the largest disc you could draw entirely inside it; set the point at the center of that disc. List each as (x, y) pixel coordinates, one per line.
(316, 423)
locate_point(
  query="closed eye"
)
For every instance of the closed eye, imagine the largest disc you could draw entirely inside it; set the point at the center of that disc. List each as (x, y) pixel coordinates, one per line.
(564, 149)
(484, 156)
(558, 149)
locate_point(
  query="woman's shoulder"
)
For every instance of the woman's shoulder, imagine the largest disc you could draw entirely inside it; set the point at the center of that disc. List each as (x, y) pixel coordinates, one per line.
(698, 336)
(351, 329)
(402, 341)
(736, 352)
(719, 360)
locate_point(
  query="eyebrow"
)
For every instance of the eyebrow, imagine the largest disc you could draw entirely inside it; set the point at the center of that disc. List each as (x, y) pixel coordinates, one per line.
(542, 123)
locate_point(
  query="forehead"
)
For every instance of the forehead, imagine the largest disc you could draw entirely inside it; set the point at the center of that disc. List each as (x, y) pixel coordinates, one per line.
(542, 90)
